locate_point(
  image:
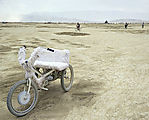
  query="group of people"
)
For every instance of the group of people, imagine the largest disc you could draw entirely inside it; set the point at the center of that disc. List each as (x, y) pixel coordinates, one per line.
(126, 25)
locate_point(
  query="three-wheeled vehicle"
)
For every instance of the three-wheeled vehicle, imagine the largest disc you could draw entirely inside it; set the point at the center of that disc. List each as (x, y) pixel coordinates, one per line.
(44, 65)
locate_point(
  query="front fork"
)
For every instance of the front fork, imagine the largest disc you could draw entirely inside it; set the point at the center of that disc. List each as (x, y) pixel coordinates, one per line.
(29, 82)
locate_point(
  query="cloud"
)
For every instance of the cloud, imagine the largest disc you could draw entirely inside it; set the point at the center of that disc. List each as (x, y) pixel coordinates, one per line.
(15, 9)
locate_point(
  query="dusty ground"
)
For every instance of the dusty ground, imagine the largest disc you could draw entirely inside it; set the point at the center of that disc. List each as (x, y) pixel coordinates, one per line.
(111, 68)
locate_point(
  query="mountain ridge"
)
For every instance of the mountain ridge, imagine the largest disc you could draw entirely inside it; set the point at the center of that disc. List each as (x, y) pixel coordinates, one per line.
(86, 16)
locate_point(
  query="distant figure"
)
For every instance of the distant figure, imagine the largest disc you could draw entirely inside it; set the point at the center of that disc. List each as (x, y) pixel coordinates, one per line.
(106, 22)
(4, 22)
(78, 26)
(126, 25)
(143, 25)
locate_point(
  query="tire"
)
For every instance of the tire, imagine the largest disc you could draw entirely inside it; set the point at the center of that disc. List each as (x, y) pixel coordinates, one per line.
(10, 97)
(67, 88)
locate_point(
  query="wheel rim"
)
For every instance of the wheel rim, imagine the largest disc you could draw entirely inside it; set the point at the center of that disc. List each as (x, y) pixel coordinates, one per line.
(18, 104)
(67, 78)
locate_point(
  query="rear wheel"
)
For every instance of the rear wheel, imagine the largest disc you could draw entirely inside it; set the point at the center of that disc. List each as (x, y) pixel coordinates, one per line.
(67, 78)
(19, 101)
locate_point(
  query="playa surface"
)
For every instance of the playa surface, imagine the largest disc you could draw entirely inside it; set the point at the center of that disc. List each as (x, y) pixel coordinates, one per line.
(111, 66)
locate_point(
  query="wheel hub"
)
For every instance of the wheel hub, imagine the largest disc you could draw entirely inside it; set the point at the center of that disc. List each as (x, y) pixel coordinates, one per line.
(23, 98)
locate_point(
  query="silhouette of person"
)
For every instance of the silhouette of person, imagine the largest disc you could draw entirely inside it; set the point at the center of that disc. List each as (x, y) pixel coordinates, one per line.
(78, 26)
(126, 25)
(143, 25)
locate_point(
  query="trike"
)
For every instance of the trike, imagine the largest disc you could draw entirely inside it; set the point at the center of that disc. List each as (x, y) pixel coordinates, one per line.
(44, 65)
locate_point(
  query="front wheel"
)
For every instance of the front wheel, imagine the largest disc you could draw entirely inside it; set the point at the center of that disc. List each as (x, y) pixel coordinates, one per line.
(67, 78)
(19, 101)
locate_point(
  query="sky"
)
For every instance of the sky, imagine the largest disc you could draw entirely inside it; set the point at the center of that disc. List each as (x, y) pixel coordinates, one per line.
(17, 10)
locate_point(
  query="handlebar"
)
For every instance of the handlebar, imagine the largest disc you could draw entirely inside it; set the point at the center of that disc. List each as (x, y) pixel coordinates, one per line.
(21, 55)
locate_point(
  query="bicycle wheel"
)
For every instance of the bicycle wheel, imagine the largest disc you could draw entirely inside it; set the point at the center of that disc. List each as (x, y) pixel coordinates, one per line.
(67, 78)
(19, 102)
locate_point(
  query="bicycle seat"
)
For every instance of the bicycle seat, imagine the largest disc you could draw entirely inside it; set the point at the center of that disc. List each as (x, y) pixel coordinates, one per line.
(51, 65)
(50, 58)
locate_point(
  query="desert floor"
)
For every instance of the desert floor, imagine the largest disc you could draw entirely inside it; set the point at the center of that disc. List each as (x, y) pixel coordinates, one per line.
(111, 66)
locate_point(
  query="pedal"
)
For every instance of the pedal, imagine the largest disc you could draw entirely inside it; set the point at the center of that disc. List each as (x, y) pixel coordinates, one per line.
(43, 88)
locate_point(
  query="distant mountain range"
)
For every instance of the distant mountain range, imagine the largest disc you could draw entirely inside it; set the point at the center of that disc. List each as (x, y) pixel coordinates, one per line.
(129, 21)
(87, 16)
(51, 17)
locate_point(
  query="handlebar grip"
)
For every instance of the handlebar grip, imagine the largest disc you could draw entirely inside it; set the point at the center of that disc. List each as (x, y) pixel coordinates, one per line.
(24, 46)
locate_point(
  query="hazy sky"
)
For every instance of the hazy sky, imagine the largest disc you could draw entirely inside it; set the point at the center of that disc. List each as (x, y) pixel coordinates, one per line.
(13, 10)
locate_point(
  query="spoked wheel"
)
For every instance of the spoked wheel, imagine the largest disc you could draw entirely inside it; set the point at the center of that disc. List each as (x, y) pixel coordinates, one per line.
(19, 101)
(67, 78)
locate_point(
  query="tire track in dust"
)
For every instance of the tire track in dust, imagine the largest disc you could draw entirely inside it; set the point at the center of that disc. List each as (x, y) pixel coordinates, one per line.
(71, 43)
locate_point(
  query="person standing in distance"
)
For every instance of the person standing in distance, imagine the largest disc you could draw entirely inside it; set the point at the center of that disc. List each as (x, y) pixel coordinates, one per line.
(78, 26)
(143, 25)
(126, 25)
